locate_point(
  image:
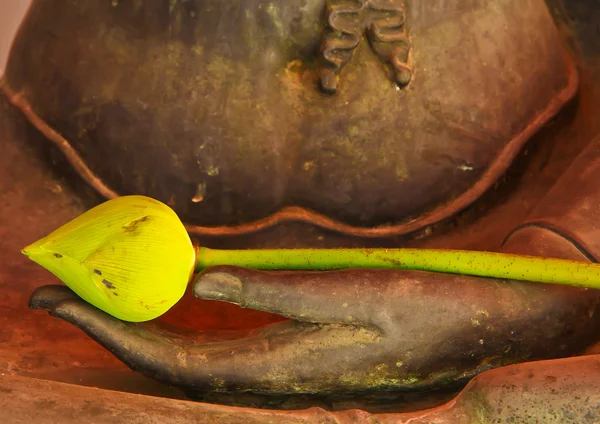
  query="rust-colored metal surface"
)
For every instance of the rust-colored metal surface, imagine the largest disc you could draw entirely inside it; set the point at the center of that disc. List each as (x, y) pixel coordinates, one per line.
(238, 145)
(550, 392)
(371, 332)
(384, 23)
(352, 332)
(35, 200)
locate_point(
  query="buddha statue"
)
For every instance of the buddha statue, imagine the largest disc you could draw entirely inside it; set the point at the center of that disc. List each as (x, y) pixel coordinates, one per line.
(330, 123)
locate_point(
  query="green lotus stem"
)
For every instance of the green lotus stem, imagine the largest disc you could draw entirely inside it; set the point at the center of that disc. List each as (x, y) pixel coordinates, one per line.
(464, 262)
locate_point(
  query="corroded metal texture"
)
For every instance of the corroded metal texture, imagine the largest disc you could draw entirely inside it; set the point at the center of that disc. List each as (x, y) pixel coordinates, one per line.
(215, 106)
(549, 392)
(360, 331)
(347, 22)
(382, 331)
(35, 201)
(356, 331)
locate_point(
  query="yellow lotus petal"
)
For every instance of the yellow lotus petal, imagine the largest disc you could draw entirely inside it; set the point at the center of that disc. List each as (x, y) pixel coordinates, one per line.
(130, 257)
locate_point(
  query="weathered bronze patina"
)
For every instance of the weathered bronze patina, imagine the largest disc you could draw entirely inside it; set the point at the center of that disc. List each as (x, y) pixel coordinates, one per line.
(221, 100)
(157, 84)
(376, 330)
(383, 22)
(568, 389)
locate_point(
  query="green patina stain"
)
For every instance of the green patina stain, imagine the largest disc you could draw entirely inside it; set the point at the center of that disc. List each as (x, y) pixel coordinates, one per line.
(172, 5)
(381, 377)
(275, 14)
(198, 49)
(476, 402)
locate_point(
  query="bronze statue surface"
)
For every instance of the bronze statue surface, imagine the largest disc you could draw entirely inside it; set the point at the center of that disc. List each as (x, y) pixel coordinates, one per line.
(197, 104)
(223, 101)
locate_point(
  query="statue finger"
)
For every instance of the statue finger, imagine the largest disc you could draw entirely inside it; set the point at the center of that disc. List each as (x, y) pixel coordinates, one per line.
(354, 296)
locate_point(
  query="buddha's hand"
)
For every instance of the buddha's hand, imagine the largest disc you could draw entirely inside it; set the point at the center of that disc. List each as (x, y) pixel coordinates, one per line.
(349, 331)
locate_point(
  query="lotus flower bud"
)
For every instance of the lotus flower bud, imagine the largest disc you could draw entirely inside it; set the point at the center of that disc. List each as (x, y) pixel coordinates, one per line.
(130, 257)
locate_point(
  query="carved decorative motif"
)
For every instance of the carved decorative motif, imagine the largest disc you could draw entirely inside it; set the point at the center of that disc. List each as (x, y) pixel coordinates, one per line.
(383, 22)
